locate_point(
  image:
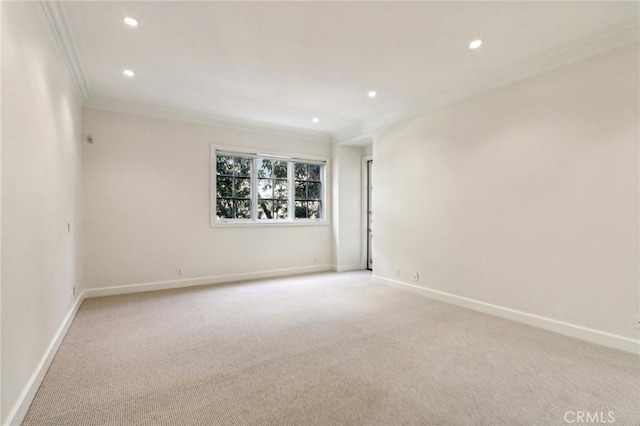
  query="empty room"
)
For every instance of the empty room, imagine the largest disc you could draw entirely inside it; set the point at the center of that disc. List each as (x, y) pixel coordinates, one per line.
(319, 213)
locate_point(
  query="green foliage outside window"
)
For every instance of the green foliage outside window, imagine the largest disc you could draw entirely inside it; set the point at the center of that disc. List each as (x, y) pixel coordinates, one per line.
(236, 182)
(233, 187)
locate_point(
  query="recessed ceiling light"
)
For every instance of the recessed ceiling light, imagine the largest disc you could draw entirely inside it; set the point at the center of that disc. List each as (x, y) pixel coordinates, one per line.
(130, 21)
(475, 44)
(372, 93)
(315, 119)
(128, 73)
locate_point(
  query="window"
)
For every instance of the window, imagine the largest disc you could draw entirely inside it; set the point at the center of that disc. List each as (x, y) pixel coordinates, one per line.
(258, 188)
(273, 189)
(233, 187)
(308, 190)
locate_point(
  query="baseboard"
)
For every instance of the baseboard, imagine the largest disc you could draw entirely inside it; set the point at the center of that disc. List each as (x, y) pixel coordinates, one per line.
(19, 411)
(572, 330)
(345, 268)
(191, 282)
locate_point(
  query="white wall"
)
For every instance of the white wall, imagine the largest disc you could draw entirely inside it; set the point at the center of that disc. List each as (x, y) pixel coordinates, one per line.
(147, 205)
(41, 170)
(525, 197)
(347, 207)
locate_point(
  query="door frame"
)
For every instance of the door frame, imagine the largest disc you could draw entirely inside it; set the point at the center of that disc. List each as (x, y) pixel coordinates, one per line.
(364, 219)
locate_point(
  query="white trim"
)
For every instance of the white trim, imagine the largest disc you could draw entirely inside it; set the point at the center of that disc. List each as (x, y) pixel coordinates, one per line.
(203, 118)
(598, 43)
(216, 224)
(364, 194)
(346, 268)
(249, 150)
(21, 407)
(572, 330)
(589, 46)
(259, 156)
(191, 282)
(54, 11)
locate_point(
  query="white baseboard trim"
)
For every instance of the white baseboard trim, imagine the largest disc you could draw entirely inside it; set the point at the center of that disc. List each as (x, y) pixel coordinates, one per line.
(572, 330)
(345, 268)
(20, 408)
(190, 282)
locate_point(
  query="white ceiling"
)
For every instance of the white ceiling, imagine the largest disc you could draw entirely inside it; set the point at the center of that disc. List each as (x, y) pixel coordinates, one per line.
(283, 63)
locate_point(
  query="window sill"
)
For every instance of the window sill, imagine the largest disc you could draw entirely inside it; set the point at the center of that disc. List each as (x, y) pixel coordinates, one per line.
(267, 224)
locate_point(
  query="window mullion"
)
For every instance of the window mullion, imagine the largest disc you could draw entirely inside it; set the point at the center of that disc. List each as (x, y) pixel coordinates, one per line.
(234, 212)
(291, 192)
(254, 189)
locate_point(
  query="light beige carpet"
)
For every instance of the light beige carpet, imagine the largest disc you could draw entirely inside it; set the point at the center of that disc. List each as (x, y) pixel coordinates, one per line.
(327, 349)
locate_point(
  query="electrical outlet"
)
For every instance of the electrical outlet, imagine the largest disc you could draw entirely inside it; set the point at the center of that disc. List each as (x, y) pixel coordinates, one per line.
(636, 324)
(416, 276)
(397, 272)
(180, 270)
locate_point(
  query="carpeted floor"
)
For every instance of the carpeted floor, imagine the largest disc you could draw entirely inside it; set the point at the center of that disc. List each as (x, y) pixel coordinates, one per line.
(326, 349)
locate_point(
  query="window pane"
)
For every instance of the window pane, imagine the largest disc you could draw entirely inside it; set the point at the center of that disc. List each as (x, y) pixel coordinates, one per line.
(236, 183)
(301, 190)
(224, 165)
(243, 188)
(265, 167)
(265, 188)
(314, 210)
(314, 172)
(300, 171)
(243, 209)
(314, 190)
(301, 209)
(223, 187)
(280, 211)
(242, 166)
(265, 209)
(280, 189)
(280, 169)
(224, 209)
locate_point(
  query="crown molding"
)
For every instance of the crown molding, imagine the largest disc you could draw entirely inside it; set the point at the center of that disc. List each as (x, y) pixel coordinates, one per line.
(56, 16)
(598, 43)
(202, 118)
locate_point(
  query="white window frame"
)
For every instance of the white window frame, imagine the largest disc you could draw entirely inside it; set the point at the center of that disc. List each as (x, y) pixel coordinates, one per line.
(260, 154)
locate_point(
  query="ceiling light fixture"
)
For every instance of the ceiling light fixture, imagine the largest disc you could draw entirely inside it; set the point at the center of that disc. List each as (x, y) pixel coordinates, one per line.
(128, 73)
(475, 44)
(372, 93)
(315, 119)
(132, 22)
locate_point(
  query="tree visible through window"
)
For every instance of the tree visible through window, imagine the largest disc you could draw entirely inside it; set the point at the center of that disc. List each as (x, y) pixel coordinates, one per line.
(233, 187)
(273, 189)
(308, 191)
(255, 188)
